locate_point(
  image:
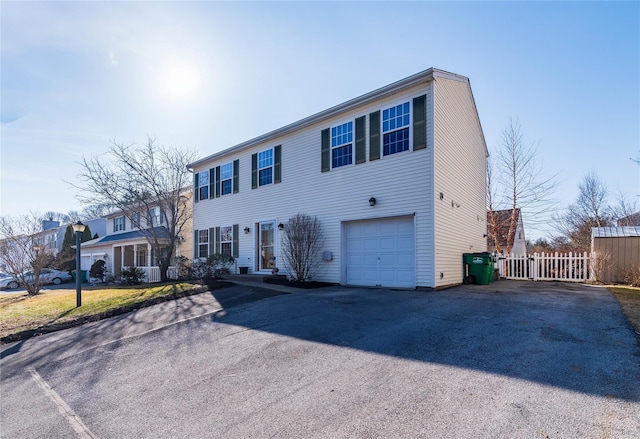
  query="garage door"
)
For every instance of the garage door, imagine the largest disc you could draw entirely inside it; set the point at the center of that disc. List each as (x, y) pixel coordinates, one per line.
(381, 252)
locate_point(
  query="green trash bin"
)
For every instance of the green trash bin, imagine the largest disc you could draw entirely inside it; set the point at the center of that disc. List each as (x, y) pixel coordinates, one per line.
(83, 276)
(479, 268)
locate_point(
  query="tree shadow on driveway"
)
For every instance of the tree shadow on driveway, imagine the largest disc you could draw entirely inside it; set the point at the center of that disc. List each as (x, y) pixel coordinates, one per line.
(567, 336)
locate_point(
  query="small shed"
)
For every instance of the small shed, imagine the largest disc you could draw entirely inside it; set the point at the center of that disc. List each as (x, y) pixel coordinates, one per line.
(622, 247)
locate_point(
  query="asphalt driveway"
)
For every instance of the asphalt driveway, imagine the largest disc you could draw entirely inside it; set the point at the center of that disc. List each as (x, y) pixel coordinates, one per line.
(517, 360)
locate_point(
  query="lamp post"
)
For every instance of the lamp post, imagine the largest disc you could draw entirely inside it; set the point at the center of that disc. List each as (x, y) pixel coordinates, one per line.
(78, 228)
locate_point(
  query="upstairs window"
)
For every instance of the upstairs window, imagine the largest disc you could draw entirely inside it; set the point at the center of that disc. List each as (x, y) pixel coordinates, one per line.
(265, 167)
(118, 224)
(226, 178)
(226, 240)
(395, 129)
(342, 145)
(203, 185)
(155, 216)
(203, 243)
(135, 220)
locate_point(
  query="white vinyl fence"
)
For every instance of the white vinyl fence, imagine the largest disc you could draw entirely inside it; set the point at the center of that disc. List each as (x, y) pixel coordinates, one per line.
(568, 267)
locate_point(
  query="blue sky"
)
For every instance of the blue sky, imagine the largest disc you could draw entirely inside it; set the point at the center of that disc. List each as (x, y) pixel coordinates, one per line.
(209, 75)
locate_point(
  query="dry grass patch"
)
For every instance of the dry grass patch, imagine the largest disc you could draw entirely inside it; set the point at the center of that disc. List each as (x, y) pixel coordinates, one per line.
(629, 299)
(55, 309)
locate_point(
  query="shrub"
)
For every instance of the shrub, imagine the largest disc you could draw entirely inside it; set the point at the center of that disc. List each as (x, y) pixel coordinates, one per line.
(301, 245)
(132, 276)
(214, 267)
(632, 276)
(599, 266)
(98, 270)
(184, 267)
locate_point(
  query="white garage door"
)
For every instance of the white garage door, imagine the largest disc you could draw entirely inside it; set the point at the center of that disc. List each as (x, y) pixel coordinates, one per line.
(381, 252)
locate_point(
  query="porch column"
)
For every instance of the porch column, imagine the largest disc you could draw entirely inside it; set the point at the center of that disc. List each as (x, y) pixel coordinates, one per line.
(135, 255)
(148, 255)
(121, 257)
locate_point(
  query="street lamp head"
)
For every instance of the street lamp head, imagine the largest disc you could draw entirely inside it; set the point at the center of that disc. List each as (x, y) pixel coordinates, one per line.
(78, 227)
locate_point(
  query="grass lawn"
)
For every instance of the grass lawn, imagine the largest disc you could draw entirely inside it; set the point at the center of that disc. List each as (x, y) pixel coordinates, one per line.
(629, 299)
(56, 309)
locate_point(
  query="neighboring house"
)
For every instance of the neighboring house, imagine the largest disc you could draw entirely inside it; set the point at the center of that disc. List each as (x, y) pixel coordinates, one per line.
(503, 220)
(620, 249)
(396, 178)
(630, 220)
(51, 237)
(48, 238)
(126, 245)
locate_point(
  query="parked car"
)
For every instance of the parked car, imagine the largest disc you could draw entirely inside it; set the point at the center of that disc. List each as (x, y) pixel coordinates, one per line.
(47, 276)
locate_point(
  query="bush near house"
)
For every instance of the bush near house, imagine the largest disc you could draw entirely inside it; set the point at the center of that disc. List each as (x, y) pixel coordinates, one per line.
(98, 270)
(216, 266)
(132, 276)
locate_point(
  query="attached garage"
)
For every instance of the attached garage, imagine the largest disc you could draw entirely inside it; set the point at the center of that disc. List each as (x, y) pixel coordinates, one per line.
(381, 252)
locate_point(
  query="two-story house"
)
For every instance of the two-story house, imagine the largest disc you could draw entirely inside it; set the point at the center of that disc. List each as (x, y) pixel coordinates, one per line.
(396, 178)
(128, 242)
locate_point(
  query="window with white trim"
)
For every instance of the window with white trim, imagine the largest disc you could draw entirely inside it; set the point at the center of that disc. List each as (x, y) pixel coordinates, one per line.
(118, 224)
(265, 167)
(141, 256)
(226, 240)
(395, 129)
(342, 145)
(155, 216)
(226, 178)
(203, 243)
(135, 220)
(203, 185)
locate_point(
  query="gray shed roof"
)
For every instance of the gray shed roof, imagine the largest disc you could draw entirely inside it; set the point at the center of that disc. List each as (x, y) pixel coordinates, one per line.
(615, 232)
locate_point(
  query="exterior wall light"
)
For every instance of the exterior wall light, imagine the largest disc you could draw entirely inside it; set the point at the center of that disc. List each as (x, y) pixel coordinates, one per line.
(372, 201)
(280, 226)
(247, 230)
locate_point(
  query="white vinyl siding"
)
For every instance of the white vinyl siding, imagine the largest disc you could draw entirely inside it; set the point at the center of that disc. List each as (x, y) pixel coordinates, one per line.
(404, 185)
(460, 163)
(305, 189)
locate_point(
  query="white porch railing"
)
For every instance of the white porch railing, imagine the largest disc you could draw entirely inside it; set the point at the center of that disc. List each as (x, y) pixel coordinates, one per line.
(152, 274)
(567, 267)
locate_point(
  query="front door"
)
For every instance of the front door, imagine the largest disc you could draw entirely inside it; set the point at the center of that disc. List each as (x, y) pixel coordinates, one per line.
(266, 245)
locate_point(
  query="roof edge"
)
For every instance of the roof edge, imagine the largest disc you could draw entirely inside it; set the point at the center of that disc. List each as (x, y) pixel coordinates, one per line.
(393, 88)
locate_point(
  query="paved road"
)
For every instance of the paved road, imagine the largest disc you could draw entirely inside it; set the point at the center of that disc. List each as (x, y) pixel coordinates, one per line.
(516, 360)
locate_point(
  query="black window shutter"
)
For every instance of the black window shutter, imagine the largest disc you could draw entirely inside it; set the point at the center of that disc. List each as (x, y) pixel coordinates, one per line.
(254, 171)
(217, 182)
(277, 164)
(196, 190)
(211, 241)
(325, 151)
(212, 179)
(196, 245)
(374, 135)
(420, 122)
(217, 242)
(361, 141)
(236, 176)
(236, 246)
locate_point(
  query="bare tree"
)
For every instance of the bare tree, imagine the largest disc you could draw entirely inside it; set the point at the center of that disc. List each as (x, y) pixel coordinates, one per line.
(138, 179)
(21, 253)
(591, 209)
(520, 184)
(302, 242)
(626, 211)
